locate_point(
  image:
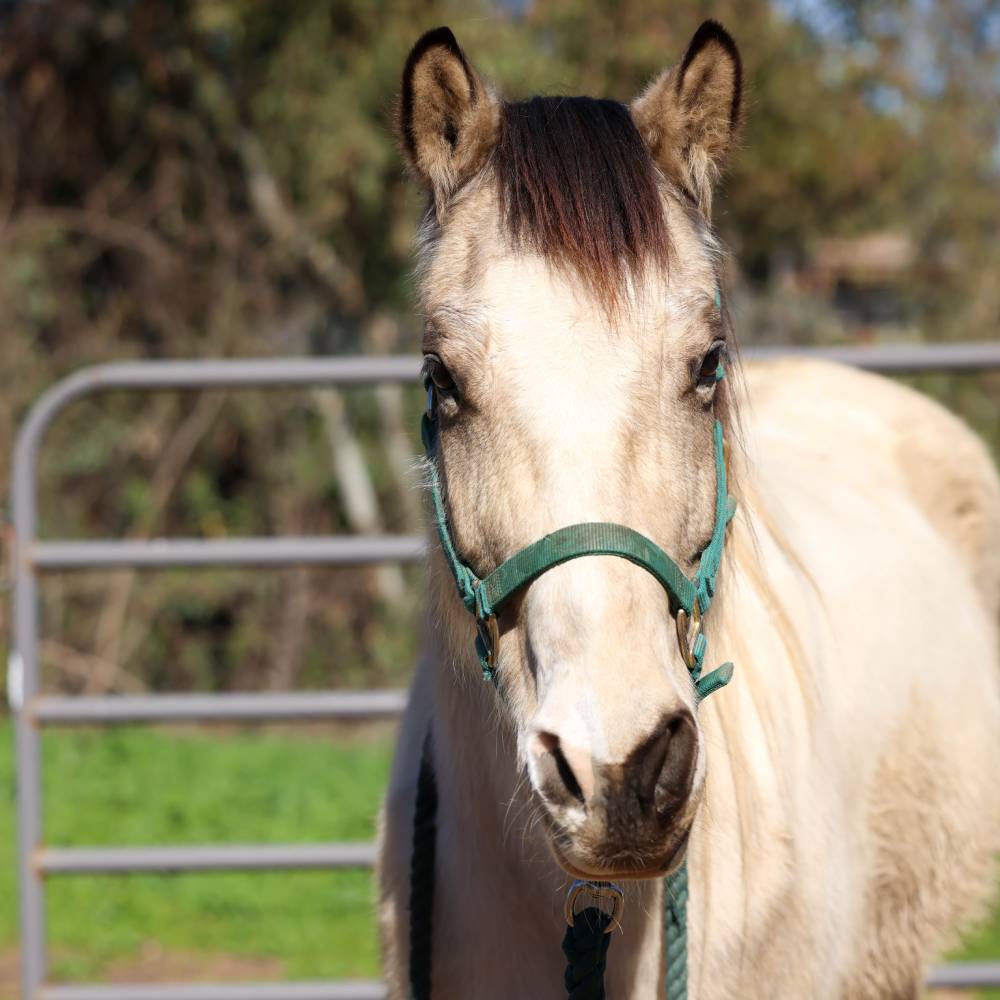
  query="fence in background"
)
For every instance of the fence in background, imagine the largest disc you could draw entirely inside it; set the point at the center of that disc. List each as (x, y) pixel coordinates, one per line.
(32, 709)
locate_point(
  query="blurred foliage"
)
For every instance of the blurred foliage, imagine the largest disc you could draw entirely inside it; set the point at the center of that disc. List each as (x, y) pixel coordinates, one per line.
(201, 178)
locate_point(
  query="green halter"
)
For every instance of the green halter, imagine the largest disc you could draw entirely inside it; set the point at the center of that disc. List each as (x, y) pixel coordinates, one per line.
(688, 599)
(586, 941)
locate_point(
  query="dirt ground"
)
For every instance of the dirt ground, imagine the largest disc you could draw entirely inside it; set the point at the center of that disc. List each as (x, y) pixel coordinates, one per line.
(8, 975)
(154, 965)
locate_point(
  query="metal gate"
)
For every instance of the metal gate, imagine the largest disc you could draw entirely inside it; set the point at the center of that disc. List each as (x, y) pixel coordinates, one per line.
(32, 709)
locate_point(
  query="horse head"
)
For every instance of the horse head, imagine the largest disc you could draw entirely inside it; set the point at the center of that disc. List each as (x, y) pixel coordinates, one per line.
(574, 344)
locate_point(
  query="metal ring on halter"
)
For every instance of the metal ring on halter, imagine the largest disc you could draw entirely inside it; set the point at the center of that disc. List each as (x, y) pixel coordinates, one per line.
(687, 632)
(599, 890)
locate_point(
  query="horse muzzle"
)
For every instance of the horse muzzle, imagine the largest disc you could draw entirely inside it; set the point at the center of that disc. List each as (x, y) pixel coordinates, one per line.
(626, 820)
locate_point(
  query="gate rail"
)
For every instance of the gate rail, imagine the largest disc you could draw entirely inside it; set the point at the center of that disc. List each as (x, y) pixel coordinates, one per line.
(32, 709)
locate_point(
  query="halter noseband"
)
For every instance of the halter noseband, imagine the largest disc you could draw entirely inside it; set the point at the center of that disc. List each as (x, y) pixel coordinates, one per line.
(688, 599)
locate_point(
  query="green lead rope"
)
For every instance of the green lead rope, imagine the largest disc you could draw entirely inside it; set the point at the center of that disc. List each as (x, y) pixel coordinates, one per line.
(586, 942)
(675, 904)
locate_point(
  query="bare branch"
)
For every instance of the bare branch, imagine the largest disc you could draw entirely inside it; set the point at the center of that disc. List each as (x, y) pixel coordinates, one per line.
(286, 228)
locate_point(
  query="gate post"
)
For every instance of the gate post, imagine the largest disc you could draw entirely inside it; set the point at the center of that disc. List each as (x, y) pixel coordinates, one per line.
(22, 689)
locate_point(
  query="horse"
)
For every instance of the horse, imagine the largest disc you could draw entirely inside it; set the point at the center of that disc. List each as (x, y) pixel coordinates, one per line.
(837, 806)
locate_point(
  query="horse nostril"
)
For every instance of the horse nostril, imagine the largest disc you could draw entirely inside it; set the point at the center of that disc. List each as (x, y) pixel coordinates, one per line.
(675, 776)
(556, 778)
(662, 768)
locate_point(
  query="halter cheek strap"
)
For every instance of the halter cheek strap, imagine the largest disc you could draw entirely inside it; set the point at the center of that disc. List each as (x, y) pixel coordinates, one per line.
(688, 599)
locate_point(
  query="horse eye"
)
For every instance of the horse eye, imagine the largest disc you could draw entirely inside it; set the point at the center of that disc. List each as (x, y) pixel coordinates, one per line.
(709, 368)
(436, 372)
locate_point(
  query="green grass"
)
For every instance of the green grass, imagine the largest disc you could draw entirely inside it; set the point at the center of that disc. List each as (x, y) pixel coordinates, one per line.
(148, 786)
(140, 786)
(983, 945)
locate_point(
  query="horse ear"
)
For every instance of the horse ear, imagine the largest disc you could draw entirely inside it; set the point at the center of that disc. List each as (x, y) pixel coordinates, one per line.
(448, 118)
(690, 114)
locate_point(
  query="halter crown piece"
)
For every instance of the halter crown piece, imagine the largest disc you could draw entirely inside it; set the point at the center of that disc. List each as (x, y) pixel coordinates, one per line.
(586, 941)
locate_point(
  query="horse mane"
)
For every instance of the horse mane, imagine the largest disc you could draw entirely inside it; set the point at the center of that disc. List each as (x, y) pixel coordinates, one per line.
(577, 185)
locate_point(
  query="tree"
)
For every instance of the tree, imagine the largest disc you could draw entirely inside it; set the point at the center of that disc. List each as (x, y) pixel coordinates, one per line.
(219, 177)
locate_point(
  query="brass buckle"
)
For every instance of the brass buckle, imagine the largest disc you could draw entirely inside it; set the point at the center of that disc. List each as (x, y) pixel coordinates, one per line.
(489, 634)
(688, 630)
(599, 890)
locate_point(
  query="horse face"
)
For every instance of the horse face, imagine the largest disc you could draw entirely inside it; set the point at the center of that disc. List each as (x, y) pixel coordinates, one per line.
(569, 286)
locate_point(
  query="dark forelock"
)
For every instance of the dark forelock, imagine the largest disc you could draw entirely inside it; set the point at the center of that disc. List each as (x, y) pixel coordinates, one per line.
(577, 184)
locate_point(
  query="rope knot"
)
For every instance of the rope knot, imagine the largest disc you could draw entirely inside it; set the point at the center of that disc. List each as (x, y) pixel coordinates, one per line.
(466, 584)
(481, 606)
